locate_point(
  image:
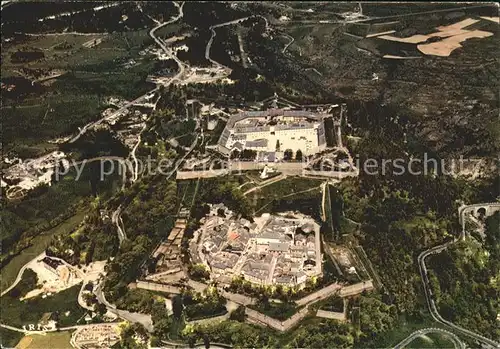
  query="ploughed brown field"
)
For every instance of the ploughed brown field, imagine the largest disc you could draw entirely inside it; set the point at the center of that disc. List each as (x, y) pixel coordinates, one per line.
(452, 35)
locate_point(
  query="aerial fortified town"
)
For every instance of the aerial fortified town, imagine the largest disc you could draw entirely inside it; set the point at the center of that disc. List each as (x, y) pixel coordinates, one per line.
(282, 249)
(273, 131)
(177, 126)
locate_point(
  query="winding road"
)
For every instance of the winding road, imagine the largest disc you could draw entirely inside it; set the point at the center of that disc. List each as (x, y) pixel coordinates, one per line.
(177, 77)
(212, 29)
(42, 255)
(291, 38)
(85, 128)
(116, 215)
(458, 344)
(143, 319)
(428, 293)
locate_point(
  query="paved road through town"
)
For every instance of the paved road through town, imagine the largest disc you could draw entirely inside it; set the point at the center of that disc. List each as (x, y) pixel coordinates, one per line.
(145, 320)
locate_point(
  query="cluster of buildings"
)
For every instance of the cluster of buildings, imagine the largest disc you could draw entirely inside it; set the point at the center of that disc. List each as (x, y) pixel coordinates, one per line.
(96, 336)
(129, 127)
(274, 131)
(281, 249)
(58, 268)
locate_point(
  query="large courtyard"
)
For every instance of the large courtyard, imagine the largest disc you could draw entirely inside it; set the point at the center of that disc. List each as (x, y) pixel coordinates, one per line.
(274, 131)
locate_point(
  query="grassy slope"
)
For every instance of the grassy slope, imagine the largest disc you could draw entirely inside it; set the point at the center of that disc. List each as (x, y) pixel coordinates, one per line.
(58, 340)
(294, 193)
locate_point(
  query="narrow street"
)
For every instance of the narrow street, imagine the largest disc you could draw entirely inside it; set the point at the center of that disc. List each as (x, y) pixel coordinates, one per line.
(486, 342)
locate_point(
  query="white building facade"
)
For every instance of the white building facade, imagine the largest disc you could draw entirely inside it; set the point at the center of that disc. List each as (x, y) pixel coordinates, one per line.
(275, 130)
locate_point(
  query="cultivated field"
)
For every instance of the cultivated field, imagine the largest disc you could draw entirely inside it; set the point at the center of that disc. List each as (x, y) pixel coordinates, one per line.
(449, 36)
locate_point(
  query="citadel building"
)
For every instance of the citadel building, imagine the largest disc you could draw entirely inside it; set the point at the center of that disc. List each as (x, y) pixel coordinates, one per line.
(274, 131)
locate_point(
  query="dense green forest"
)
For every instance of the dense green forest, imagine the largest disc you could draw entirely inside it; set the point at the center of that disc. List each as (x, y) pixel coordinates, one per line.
(465, 281)
(404, 214)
